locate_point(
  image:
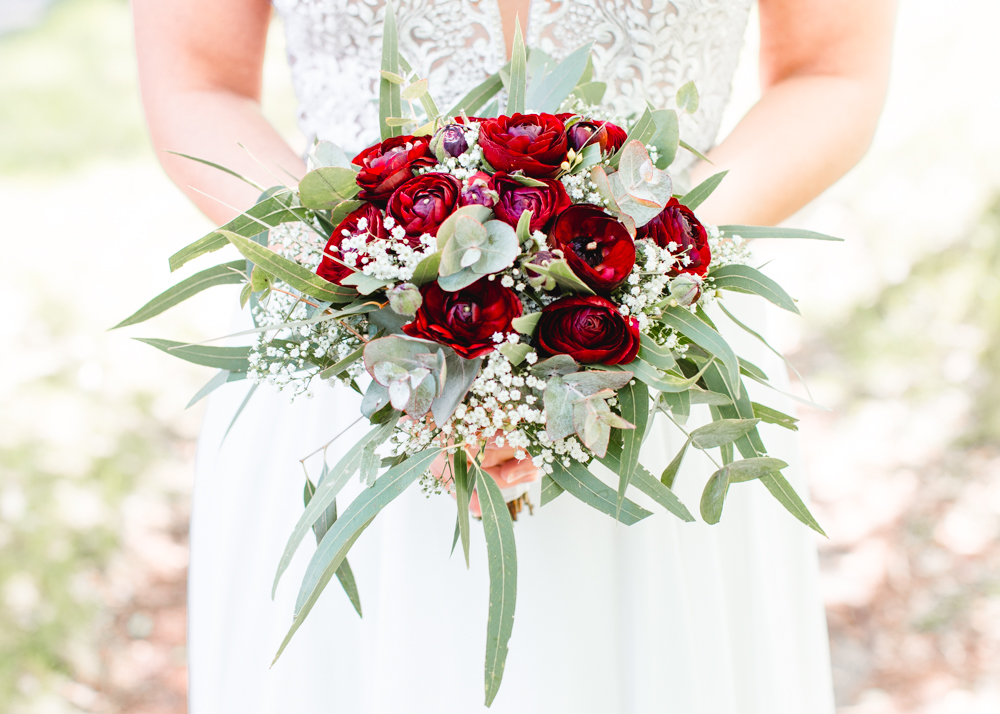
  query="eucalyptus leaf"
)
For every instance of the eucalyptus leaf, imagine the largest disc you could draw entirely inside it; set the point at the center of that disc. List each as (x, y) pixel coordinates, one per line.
(472, 102)
(526, 324)
(553, 89)
(684, 145)
(669, 474)
(282, 207)
(714, 496)
(515, 353)
(665, 137)
(723, 431)
(464, 483)
(580, 482)
(326, 153)
(225, 274)
(343, 364)
(687, 98)
(296, 275)
(744, 279)
(647, 483)
(708, 339)
(499, 531)
(327, 186)
(364, 284)
(221, 377)
(696, 196)
(634, 404)
(234, 359)
(390, 103)
(327, 490)
(517, 87)
(591, 92)
(558, 401)
(460, 373)
(362, 510)
(782, 490)
(427, 269)
(656, 355)
(550, 490)
(564, 276)
(758, 232)
(773, 416)
(557, 365)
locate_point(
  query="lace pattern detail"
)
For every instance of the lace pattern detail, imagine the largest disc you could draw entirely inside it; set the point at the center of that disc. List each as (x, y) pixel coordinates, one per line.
(644, 49)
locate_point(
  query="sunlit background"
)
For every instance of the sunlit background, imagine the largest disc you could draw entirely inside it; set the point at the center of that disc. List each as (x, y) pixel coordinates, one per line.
(900, 338)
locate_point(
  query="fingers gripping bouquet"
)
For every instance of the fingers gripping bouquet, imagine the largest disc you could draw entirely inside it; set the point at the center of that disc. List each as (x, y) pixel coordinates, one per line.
(526, 279)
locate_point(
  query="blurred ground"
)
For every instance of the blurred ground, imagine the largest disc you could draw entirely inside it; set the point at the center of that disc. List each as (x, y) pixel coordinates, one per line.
(900, 338)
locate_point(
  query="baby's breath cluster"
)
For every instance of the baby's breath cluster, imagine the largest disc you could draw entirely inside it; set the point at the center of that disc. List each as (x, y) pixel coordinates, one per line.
(392, 259)
(466, 164)
(582, 190)
(288, 357)
(727, 249)
(298, 242)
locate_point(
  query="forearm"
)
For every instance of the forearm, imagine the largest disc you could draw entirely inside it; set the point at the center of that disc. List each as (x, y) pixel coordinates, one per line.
(210, 124)
(804, 134)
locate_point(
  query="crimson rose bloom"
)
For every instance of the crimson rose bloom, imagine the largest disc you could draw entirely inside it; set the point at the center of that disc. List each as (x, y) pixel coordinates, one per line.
(422, 204)
(610, 137)
(597, 247)
(387, 166)
(532, 143)
(334, 270)
(589, 329)
(545, 202)
(467, 319)
(477, 191)
(677, 224)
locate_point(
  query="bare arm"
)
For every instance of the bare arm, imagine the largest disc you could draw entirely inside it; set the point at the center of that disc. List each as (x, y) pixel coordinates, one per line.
(824, 70)
(200, 66)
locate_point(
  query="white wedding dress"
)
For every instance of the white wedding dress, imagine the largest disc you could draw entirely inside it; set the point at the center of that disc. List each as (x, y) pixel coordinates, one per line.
(662, 616)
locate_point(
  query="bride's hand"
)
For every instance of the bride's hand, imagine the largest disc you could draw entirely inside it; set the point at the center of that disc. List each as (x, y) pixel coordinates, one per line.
(498, 461)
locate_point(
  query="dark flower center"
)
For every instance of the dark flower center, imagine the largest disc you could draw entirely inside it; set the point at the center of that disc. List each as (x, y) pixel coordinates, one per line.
(589, 249)
(466, 313)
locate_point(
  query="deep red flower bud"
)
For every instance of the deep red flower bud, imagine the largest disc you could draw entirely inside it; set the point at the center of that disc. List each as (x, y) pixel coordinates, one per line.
(388, 165)
(467, 319)
(422, 204)
(589, 329)
(513, 198)
(677, 230)
(534, 144)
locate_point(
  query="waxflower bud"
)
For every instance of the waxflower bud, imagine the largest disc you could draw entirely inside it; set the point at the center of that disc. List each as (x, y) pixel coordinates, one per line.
(449, 141)
(685, 289)
(405, 299)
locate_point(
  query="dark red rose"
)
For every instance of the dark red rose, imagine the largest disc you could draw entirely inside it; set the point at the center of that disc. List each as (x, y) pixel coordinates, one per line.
(421, 204)
(589, 329)
(597, 247)
(477, 191)
(467, 319)
(387, 166)
(333, 267)
(532, 143)
(449, 141)
(514, 198)
(610, 137)
(677, 225)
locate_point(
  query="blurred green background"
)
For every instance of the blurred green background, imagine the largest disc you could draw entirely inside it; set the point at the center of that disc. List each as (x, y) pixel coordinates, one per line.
(900, 338)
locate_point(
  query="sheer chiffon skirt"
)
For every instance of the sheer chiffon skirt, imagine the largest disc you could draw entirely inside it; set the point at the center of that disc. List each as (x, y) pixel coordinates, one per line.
(662, 616)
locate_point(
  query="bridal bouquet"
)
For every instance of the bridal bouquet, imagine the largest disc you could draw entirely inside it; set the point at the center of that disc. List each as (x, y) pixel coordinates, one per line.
(526, 279)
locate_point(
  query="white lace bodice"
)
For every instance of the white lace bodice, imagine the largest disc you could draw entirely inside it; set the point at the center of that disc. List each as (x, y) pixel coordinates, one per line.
(644, 49)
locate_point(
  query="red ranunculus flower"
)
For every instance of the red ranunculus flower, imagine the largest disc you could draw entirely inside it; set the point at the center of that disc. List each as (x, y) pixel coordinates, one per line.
(610, 137)
(677, 230)
(545, 202)
(367, 218)
(532, 143)
(589, 329)
(422, 204)
(467, 319)
(597, 247)
(388, 165)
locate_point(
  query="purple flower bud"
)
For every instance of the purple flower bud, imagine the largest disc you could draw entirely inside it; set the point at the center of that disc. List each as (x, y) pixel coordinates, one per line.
(449, 141)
